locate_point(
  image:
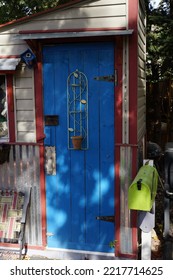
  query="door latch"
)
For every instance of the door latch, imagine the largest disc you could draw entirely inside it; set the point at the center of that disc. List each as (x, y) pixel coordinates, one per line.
(108, 78)
(50, 160)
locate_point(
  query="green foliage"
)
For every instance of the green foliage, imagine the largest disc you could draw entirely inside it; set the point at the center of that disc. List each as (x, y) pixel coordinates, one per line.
(160, 41)
(14, 9)
(63, 1)
(113, 243)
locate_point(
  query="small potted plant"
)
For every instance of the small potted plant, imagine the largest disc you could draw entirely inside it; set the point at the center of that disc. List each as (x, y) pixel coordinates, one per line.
(77, 142)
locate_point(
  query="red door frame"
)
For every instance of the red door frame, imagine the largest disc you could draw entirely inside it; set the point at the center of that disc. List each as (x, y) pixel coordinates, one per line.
(118, 136)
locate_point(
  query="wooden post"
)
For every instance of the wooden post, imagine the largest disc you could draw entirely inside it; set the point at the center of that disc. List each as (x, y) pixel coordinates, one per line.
(146, 222)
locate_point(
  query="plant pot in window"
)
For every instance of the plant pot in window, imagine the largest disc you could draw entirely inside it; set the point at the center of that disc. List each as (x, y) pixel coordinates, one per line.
(77, 142)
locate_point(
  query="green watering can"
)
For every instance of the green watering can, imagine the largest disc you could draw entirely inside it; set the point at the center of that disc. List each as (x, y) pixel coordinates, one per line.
(142, 191)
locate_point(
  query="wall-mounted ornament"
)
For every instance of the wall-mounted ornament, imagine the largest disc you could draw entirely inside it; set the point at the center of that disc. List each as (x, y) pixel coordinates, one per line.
(77, 109)
(29, 58)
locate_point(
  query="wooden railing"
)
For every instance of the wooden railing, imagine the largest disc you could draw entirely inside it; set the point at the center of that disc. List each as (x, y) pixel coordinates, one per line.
(19, 169)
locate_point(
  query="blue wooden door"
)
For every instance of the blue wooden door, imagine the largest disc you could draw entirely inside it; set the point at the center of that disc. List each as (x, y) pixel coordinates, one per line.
(83, 186)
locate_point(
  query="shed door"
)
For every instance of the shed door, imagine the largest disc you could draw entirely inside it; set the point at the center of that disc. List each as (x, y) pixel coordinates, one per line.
(82, 186)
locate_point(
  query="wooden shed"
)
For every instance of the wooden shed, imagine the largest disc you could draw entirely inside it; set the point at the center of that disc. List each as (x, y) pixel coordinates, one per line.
(75, 70)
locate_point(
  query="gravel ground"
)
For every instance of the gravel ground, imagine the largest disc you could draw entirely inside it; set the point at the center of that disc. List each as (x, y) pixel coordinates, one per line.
(8, 255)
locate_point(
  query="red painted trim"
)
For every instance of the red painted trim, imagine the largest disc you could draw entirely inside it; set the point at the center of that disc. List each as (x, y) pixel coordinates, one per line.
(40, 138)
(32, 247)
(127, 256)
(133, 71)
(43, 196)
(5, 72)
(133, 15)
(69, 30)
(39, 102)
(28, 18)
(10, 101)
(118, 135)
(118, 89)
(8, 245)
(133, 83)
(14, 245)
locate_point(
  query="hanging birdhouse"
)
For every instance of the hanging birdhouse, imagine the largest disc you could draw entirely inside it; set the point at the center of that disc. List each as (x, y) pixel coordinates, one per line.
(29, 58)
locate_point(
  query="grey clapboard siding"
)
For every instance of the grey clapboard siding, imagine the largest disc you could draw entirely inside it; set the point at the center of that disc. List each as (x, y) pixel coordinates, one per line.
(24, 105)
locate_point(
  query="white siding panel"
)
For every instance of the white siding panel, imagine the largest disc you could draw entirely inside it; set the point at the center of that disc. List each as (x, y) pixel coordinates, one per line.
(141, 94)
(142, 33)
(141, 83)
(7, 39)
(25, 137)
(25, 126)
(12, 50)
(24, 83)
(141, 99)
(25, 115)
(141, 73)
(142, 55)
(24, 104)
(87, 13)
(24, 93)
(108, 22)
(10, 46)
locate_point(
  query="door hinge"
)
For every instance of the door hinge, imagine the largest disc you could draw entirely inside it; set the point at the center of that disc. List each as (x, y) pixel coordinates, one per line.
(109, 78)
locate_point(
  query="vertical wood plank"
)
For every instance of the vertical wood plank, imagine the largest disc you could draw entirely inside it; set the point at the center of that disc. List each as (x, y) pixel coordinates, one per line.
(92, 154)
(77, 193)
(106, 100)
